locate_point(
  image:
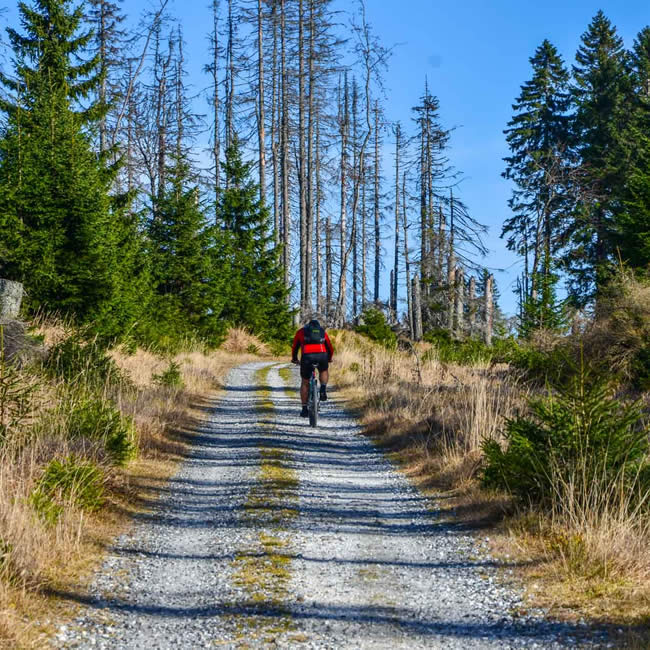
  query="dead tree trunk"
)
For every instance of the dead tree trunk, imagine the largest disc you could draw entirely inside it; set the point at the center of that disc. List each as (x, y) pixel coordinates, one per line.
(344, 119)
(230, 78)
(471, 304)
(460, 302)
(398, 144)
(489, 309)
(451, 272)
(276, 113)
(286, 212)
(407, 262)
(261, 115)
(317, 228)
(216, 108)
(376, 208)
(417, 309)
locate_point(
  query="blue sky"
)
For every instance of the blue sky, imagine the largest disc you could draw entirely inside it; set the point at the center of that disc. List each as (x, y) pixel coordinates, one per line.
(475, 55)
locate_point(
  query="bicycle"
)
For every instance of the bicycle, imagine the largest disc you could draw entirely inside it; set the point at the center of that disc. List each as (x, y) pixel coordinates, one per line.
(313, 400)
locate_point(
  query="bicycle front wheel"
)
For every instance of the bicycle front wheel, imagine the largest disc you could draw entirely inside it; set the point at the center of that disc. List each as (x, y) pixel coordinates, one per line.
(313, 403)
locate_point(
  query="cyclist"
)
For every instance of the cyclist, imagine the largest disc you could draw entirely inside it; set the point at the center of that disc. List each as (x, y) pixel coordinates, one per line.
(316, 350)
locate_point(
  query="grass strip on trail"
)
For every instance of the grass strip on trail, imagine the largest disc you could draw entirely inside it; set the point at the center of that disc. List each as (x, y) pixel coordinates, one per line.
(264, 569)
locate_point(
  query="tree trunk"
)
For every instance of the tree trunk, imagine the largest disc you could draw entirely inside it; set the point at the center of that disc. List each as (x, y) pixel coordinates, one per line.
(417, 309)
(471, 303)
(409, 296)
(376, 209)
(286, 214)
(230, 80)
(451, 272)
(216, 141)
(318, 227)
(261, 116)
(276, 119)
(398, 137)
(344, 122)
(460, 302)
(302, 180)
(489, 309)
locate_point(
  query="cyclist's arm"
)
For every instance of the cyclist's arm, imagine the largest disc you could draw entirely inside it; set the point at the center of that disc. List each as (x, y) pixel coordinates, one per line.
(330, 349)
(296, 346)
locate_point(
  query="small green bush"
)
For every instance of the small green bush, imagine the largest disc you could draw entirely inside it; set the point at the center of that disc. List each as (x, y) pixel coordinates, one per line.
(71, 479)
(279, 348)
(377, 329)
(171, 377)
(95, 419)
(82, 362)
(580, 435)
(449, 350)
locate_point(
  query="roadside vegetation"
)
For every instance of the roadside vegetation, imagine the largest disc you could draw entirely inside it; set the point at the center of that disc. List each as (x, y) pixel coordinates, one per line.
(86, 434)
(542, 442)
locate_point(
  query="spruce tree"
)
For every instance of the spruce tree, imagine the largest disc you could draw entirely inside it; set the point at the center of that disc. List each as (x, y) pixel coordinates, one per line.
(60, 233)
(538, 137)
(256, 296)
(633, 224)
(188, 280)
(600, 94)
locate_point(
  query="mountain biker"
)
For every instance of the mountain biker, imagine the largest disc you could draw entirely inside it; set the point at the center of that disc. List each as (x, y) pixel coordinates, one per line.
(316, 350)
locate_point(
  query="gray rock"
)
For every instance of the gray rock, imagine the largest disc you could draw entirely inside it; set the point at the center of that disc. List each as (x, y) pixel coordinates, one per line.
(11, 296)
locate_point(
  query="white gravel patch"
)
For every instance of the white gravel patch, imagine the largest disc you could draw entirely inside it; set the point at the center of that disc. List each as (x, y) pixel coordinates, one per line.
(372, 563)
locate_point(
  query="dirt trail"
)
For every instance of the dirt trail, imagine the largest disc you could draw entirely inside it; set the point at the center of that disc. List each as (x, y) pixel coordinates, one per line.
(276, 535)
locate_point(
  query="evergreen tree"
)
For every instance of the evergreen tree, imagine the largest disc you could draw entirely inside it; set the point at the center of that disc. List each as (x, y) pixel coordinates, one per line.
(188, 282)
(633, 223)
(600, 95)
(256, 295)
(538, 137)
(60, 232)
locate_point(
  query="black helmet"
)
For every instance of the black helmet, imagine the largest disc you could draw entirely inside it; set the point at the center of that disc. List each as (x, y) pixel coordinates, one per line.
(313, 323)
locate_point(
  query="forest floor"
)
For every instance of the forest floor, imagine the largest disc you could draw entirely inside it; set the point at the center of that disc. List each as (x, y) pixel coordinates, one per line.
(275, 534)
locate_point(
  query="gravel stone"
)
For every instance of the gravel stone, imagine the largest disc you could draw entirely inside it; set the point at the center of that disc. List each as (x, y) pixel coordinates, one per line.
(371, 563)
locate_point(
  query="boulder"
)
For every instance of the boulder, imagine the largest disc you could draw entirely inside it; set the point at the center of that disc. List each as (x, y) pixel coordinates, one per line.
(11, 296)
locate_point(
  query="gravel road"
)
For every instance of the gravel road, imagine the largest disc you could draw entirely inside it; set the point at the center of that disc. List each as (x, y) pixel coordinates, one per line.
(273, 534)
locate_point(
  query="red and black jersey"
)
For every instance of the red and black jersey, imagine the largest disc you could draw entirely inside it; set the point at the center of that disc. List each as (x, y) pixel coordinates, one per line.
(310, 348)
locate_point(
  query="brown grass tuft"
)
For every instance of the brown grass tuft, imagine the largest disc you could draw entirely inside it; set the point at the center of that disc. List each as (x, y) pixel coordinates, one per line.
(241, 341)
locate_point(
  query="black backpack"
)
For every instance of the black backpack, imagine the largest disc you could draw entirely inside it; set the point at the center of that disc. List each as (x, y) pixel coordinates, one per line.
(314, 334)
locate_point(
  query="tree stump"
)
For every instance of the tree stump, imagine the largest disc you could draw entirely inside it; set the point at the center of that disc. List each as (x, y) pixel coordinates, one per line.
(11, 296)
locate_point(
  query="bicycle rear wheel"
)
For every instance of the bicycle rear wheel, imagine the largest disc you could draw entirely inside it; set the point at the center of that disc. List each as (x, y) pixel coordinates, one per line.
(313, 402)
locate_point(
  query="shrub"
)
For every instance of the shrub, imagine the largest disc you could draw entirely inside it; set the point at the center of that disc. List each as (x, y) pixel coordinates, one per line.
(171, 377)
(377, 329)
(96, 419)
(77, 361)
(70, 480)
(279, 348)
(448, 350)
(580, 437)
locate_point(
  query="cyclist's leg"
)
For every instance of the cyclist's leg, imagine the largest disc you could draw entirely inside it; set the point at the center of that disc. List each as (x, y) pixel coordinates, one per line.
(305, 374)
(323, 369)
(304, 391)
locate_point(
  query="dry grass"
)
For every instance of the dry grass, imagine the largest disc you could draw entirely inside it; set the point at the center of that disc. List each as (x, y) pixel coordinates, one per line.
(591, 558)
(432, 415)
(37, 558)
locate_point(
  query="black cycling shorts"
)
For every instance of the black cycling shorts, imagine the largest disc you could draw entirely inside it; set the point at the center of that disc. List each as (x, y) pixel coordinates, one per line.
(307, 362)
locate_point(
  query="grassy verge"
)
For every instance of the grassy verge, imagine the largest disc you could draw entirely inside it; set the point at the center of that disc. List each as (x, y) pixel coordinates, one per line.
(432, 418)
(88, 442)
